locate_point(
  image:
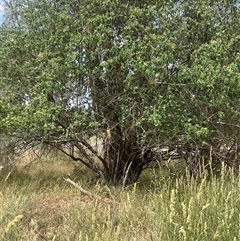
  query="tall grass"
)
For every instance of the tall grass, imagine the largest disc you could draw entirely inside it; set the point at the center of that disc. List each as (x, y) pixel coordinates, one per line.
(39, 205)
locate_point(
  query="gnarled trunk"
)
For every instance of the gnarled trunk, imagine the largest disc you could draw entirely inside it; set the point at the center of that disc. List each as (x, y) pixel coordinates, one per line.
(124, 157)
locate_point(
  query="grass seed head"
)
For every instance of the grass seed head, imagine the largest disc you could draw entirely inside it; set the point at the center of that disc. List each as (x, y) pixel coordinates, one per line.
(13, 223)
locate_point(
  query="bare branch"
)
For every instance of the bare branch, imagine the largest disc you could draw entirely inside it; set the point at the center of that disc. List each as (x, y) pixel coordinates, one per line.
(89, 194)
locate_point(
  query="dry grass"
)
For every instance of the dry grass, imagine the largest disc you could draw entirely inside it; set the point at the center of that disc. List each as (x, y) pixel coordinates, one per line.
(37, 204)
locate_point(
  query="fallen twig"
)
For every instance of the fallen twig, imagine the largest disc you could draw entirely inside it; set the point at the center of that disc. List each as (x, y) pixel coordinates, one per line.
(89, 194)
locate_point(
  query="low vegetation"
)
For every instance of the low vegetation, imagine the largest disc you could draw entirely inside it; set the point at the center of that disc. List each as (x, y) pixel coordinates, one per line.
(36, 203)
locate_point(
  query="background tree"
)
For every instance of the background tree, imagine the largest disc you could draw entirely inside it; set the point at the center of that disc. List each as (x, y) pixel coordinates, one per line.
(136, 75)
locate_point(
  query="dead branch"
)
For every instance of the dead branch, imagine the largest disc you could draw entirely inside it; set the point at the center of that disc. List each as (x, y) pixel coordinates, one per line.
(89, 194)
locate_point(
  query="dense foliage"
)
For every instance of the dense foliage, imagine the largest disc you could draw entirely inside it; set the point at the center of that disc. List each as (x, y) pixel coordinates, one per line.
(135, 76)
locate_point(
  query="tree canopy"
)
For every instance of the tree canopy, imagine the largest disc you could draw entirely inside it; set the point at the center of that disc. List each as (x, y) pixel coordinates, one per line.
(136, 76)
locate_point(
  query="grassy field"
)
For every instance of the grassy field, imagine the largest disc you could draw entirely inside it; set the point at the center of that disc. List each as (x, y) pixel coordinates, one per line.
(36, 203)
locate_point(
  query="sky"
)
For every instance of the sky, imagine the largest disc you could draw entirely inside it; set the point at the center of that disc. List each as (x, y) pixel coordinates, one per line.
(1, 12)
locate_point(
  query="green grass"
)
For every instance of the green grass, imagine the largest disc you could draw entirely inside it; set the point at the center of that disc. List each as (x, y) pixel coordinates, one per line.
(37, 204)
